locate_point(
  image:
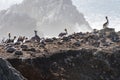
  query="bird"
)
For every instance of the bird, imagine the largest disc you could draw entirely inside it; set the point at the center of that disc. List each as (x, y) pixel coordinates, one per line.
(9, 35)
(62, 34)
(36, 38)
(21, 39)
(9, 40)
(12, 40)
(105, 25)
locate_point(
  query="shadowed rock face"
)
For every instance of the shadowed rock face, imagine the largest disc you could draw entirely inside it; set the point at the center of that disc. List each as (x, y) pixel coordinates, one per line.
(84, 64)
(48, 16)
(7, 72)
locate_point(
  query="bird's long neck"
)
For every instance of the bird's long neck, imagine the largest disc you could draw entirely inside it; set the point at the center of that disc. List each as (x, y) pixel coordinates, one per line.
(107, 20)
(9, 36)
(66, 32)
(35, 33)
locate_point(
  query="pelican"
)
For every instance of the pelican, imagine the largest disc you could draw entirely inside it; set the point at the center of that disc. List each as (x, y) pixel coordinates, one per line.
(36, 37)
(105, 25)
(63, 33)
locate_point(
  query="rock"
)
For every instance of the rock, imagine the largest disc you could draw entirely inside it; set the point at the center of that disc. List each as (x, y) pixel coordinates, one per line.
(18, 53)
(83, 64)
(96, 44)
(54, 38)
(11, 50)
(42, 45)
(77, 43)
(24, 47)
(7, 72)
(48, 40)
(32, 49)
(114, 37)
(66, 39)
(17, 43)
(8, 46)
(106, 44)
(60, 43)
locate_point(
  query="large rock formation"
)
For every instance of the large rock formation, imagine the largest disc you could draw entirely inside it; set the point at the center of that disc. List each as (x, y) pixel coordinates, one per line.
(84, 64)
(7, 72)
(48, 16)
(80, 56)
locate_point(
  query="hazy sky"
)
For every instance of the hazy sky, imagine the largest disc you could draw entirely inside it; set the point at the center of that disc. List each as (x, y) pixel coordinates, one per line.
(94, 11)
(6, 3)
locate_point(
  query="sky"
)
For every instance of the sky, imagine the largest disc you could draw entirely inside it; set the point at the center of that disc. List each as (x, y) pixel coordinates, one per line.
(93, 10)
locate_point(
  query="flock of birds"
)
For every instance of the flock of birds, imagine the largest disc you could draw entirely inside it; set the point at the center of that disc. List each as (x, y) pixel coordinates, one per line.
(22, 43)
(36, 38)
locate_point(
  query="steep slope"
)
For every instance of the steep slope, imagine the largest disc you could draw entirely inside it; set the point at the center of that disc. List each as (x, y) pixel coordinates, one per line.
(45, 15)
(7, 72)
(84, 64)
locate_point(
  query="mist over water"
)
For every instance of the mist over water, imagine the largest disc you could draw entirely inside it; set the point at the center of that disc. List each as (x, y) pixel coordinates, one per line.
(49, 17)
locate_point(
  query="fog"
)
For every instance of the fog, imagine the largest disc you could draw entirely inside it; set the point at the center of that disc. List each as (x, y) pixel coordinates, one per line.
(49, 17)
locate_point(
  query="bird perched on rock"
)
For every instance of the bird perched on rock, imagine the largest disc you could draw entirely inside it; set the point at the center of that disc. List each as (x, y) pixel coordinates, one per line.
(105, 25)
(21, 39)
(36, 38)
(62, 34)
(9, 40)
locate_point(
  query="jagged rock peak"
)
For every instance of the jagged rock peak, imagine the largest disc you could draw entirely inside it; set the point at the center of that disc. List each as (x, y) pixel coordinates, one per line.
(47, 16)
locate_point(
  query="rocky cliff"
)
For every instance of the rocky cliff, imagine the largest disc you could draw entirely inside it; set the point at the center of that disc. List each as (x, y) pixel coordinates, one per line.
(7, 72)
(84, 64)
(80, 56)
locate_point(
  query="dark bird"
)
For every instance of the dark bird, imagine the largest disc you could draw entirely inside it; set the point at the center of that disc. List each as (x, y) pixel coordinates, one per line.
(12, 40)
(21, 39)
(9, 40)
(63, 33)
(36, 38)
(9, 35)
(105, 25)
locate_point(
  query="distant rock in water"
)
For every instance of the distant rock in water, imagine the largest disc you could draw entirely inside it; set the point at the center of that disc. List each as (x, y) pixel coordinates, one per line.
(7, 72)
(50, 17)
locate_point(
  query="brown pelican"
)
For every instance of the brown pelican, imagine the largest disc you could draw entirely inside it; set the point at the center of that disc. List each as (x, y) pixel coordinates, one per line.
(105, 25)
(9, 40)
(21, 39)
(63, 33)
(36, 37)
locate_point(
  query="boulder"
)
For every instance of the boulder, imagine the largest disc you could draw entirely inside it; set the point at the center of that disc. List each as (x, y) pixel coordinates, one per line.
(78, 43)
(11, 50)
(66, 39)
(32, 49)
(24, 47)
(18, 53)
(7, 72)
(48, 40)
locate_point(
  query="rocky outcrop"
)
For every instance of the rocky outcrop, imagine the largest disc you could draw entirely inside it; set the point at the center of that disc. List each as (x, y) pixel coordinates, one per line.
(83, 64)
(7, 72)
(80, 56)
